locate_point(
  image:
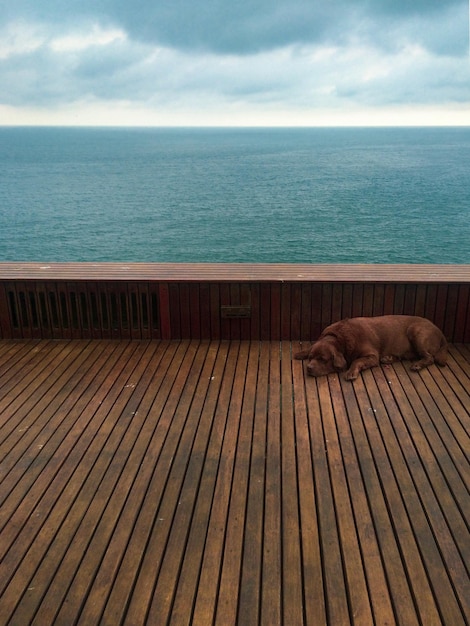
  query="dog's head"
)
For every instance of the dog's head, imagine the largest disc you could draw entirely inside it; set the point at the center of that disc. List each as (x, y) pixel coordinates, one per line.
(324, 357)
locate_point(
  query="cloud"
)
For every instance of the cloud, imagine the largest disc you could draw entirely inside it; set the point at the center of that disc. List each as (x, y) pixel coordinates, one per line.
(245, 26)
(214, 55)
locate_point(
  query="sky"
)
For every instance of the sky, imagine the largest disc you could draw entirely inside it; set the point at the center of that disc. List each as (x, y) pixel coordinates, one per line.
(234, 62)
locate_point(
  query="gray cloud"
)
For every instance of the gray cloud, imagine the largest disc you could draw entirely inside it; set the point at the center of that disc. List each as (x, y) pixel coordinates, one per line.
(247, 26)
(290, 54)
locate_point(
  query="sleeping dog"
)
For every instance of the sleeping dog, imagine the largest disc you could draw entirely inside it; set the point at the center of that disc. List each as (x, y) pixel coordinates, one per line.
(361, 342)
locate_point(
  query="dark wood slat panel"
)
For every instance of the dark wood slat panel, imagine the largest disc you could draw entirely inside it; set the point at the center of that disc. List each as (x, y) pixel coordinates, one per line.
(286, 310)
(462, 317)
(265, 311)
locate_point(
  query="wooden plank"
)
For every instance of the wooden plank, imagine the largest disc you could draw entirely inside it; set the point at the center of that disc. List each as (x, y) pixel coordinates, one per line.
(25, 382)
(326, 305)
(410, 482)
(420, 300)
(271, 599)
(317, 311)
(358, 294)
(409, 300)
(357, 508)
(5, 323)
(337, 301)
(185, 310)
(34, 420)
(163, 495)
(255, 320)
(175, 311)
(336, 591)
(60, 440)
(184, 478)
(227, 603)
(288, 315)
(195, 311)
(252, 559)
(389, 299)
(313, 581)
(441, 458)
(461, 315)
(234, 272)
(235, 328)
(384, 501)
(275, 312)
(347, 300)
(37, 537)
(225, 299)
(215, 311)
(92, 534)
(164, 310)
(207, 604)
(353, 567)
(207, 451)
(368, 299)
(16, 357)
(127, 545)
(50, 548)
(246, 323)
(379, 298)
(292, 583)
(306, 331)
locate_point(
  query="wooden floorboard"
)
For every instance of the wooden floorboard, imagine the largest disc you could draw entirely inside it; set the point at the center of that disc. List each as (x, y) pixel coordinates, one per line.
(205, 482)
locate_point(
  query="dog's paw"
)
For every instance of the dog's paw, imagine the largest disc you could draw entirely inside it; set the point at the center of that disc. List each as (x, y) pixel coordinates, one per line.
(387, 360)
(351, 375)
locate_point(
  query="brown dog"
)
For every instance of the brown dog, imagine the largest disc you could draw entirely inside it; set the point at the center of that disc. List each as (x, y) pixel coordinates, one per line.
(362, 342)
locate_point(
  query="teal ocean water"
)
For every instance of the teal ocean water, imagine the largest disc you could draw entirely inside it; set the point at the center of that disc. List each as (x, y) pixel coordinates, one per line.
(333, 195)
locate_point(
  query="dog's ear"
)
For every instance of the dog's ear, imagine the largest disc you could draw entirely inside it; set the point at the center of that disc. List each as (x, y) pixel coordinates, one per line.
(339, 362)
(303, 354)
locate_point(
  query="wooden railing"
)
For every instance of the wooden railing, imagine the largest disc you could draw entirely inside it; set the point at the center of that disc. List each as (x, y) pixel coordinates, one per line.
(226, 301)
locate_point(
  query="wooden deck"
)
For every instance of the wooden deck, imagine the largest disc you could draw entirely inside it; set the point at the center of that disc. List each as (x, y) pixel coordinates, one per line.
(211, 482)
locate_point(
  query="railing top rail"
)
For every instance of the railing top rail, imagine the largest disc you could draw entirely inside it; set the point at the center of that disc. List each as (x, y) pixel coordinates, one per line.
(236, 272)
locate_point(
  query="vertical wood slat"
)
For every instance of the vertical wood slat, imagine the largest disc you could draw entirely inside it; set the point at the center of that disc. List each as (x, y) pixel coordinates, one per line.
(184, 310)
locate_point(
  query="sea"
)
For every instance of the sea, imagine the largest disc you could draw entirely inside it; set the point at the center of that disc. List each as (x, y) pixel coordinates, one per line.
(235, 195)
